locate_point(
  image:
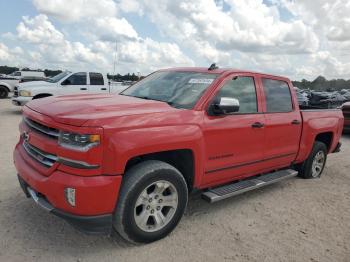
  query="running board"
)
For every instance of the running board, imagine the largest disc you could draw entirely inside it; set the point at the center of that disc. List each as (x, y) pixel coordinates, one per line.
(219, 193)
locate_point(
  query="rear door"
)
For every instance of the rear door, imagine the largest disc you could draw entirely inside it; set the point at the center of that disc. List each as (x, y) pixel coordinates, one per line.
(234, 143)
(282, 122)
(97, 83)
(75, 84)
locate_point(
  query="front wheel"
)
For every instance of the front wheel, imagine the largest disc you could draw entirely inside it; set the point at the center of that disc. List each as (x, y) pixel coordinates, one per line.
(3, 92)
(152, 201)
(313, 166)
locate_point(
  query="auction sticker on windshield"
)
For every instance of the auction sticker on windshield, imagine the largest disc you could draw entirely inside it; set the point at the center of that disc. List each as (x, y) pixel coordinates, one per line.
(200, 81)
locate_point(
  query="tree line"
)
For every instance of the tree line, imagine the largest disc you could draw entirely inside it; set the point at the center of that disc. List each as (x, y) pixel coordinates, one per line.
(322, 84)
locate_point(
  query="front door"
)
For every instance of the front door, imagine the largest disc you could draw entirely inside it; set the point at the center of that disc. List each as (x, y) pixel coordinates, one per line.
(75, 84)
(234, 143)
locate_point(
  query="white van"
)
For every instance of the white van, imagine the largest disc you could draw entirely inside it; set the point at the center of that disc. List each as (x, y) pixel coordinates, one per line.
(20, 74)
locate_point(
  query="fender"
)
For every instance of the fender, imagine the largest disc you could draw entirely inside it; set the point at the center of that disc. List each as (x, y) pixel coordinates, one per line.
(127, 144)
(6, 85)
(313, 127)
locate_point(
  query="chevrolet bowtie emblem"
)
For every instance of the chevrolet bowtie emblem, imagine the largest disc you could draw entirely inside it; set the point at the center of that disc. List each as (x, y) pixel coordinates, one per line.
(25, 136)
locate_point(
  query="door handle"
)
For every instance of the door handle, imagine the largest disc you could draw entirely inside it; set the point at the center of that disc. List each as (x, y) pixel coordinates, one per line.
(257, 125)
(83, 88)
(103, 88)
(295, 122)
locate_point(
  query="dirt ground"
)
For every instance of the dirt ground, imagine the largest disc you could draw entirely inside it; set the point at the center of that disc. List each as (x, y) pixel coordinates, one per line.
(294, 220)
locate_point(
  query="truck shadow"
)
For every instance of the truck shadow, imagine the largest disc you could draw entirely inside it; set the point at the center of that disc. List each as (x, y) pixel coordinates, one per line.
(33, 227)
(13, 111)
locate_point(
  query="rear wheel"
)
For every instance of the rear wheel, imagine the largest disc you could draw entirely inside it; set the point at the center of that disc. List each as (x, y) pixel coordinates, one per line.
(3, 92)
(152, 201)
(313, 166)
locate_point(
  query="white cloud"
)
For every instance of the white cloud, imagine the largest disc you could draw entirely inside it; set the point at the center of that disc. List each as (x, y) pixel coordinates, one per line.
(128, 6)
(50, 48)
(249, 26)
(38, 30)
(10, 56)
(74, 10)
(298, 39)
(111, 28)
(5, 55)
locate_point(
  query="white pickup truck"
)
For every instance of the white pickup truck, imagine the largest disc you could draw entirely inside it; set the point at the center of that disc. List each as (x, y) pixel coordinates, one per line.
(65, 83)
(8, 82)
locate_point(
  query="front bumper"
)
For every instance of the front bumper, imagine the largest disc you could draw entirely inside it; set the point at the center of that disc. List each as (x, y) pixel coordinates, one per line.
(21, 100)
(95, 199)
(101, 224)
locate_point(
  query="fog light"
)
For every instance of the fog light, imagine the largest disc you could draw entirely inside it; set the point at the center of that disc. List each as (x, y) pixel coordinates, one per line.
(70, 195)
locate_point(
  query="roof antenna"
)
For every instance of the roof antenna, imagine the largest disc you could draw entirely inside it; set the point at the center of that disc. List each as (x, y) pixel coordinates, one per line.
(115, 57)
(213, 67)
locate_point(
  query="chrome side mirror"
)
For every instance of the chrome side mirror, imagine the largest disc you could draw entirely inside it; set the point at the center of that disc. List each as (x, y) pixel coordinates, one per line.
(225, 106)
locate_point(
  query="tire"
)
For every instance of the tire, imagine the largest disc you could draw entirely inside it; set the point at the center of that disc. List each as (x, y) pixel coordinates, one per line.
(4, 92)
(308, 168)
(141, 193)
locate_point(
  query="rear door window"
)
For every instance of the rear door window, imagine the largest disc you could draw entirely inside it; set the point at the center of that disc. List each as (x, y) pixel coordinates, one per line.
(278, 96)
(96, 79)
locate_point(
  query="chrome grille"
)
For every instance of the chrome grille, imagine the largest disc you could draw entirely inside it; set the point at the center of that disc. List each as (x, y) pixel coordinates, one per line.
(42, 157)
(15, 91)
(48, 131)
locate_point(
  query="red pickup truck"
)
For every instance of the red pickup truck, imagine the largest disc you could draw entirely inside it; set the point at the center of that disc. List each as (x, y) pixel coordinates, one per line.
(128, 162)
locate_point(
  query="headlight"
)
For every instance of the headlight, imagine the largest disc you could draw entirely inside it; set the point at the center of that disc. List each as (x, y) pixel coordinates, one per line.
(78, 141)
(25, 93)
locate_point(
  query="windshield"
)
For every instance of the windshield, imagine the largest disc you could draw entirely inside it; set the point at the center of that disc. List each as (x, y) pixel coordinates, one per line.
(178, 89)
(58, 77)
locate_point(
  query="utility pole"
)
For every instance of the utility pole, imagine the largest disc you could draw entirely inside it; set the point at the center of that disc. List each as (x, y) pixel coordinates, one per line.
(115, 57)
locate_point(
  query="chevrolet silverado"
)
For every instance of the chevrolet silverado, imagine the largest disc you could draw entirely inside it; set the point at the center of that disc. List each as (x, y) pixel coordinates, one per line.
(127, 162)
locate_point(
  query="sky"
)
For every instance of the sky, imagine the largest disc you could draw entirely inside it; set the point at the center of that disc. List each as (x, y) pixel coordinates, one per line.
(294, 38)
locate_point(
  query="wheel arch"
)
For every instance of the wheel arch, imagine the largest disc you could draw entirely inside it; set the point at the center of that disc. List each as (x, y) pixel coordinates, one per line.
(181, 159)
(41, 95)
(326, 138)
(6, 86)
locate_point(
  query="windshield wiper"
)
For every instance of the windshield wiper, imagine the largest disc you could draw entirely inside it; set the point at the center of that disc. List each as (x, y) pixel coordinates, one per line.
(154, 99)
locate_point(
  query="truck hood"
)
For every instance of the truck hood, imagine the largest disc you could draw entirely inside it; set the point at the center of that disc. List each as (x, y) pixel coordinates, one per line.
(35, 85)
(77, 109)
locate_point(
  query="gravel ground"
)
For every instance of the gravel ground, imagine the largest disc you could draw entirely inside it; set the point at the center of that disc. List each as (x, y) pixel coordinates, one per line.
(294, 220)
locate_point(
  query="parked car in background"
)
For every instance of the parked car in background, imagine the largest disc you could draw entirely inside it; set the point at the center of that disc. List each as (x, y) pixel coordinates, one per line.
(128, 162)
(65, 83)
(322, 99)
(8, 82)
(346, 113)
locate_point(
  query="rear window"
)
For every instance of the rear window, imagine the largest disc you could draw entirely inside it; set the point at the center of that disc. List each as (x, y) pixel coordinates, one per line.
(96, 79)
(277, 94)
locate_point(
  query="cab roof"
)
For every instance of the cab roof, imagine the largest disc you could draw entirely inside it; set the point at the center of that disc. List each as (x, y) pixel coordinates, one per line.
(220, 71)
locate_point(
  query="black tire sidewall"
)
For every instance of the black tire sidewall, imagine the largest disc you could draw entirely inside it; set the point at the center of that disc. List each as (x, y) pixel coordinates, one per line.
(127, 219)
(3, 90)
(306, 169)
